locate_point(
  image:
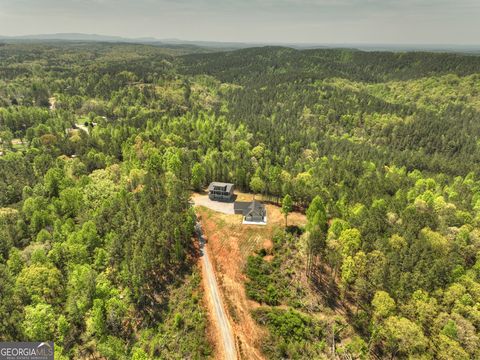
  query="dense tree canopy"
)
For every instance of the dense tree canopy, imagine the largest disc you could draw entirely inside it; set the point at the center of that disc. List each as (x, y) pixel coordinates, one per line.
(101, 144)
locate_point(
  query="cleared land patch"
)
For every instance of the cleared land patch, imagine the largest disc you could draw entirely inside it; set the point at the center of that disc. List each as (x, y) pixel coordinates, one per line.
(230, 243)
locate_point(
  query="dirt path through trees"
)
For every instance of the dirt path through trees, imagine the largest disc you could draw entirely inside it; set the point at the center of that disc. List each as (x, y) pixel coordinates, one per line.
(218, 311)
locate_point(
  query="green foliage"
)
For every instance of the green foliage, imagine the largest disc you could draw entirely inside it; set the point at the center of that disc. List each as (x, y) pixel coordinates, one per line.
(40, 283)
(350, 241)
(263, 284)
(39, 323)
(450, 330)
(267, 282)
(182, 334)
(383, 305)
(257, 185)
(403, 336)
(95, 225)
(198, 176)
(287, 207)
(380, 150)
(316, 213)
(80, 289)
(293, 335)
(355, 347)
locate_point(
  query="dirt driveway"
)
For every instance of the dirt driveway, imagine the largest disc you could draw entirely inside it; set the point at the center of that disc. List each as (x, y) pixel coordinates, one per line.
(222, 207)
(219, 314)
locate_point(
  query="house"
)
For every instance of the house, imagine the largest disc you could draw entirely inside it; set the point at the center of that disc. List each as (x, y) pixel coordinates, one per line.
(254, 212)
(219, 191)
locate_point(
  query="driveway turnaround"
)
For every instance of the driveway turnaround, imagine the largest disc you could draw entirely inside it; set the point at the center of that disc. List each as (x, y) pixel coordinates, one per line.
(203, 200)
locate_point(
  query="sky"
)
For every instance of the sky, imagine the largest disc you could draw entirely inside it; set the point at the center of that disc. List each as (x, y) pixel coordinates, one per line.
(273, 21)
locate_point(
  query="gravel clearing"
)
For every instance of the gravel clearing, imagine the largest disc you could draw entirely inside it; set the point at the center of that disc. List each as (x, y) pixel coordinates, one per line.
(222, 207)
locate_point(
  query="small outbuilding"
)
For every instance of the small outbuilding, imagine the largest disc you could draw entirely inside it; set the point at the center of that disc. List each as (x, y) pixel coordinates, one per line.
(219, 191)
(254, 212)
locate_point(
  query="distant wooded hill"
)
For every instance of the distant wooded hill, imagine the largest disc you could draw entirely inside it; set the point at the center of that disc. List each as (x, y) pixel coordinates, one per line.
(231, 45)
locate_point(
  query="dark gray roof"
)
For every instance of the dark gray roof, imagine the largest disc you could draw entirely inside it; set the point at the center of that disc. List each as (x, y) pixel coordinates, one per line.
(256, 205)
(228, 186)
(241, 206)
(249, 207)
(256, 208)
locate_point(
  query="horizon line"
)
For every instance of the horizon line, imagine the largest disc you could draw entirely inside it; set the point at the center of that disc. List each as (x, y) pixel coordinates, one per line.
(246, 42)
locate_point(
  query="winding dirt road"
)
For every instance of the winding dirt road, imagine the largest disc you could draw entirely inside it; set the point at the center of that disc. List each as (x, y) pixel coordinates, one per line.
(221, 319)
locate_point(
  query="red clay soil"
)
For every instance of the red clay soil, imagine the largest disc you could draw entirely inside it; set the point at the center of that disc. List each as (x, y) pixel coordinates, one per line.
(230, 243)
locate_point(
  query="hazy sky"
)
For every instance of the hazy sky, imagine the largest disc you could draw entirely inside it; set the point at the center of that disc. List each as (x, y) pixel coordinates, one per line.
(311, 21)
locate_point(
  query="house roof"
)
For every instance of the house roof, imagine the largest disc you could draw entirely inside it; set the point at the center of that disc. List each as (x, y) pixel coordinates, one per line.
(241, 206)
(227, 186)
(256, 205)
(249, 208)
(256, 208)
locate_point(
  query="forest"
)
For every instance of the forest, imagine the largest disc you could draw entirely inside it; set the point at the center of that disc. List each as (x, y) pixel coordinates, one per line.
(101, 145)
